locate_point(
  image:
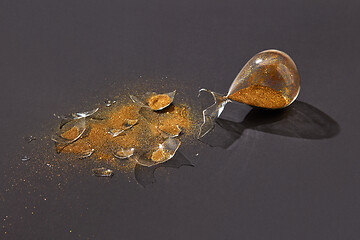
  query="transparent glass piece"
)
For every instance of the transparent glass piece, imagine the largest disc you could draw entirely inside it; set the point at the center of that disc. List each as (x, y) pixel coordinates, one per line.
(30, 138)
(84, 114)
(164, 152)
(87, 153)
(102, 172)
(109, 103)
(81, 128)
(124, 153)
(25, 158)
(169, 131)
(65, 119)
(115, 132)
(128, 123)
(211, 113)
(155, 101)
(137, 101)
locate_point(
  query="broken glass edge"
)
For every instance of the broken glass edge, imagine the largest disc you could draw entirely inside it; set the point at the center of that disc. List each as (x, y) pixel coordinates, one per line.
(115, 132)
(166, 134)
(82, 128)
(137, 101)
(25, 158)
(129, 125)
(171, 95)
(84, 114)
(87, 154)
(211, 113)
(171, 143)
(102, 172)
(142, 104)
(126, 153)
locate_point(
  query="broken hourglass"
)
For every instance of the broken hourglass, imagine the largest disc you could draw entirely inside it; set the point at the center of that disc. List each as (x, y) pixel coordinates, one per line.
(269, 80)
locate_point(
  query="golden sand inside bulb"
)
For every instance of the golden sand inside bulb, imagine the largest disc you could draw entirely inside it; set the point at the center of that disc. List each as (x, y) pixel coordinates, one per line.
(158, 102)
(260, 96)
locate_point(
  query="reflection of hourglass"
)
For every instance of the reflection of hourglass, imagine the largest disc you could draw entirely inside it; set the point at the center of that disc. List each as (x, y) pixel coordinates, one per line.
(269, 80)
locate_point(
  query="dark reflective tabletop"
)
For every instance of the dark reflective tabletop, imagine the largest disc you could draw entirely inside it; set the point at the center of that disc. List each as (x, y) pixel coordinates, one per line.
(290, 174)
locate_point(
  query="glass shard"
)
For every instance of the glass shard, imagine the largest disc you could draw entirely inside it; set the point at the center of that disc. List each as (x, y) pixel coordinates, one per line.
(154, 100)
(164, 152)
(71, 135)
(115, 132)
(128, 123)
(109, 103)
(84, 114)
(30, 138)
(25, 158)
(211, 113)
(124, 153)
(137, 101)
(87, 154)
(102, 172)
(169, 131)
(160, 101)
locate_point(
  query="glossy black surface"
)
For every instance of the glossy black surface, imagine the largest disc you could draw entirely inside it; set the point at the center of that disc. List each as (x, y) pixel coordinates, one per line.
(285, 175)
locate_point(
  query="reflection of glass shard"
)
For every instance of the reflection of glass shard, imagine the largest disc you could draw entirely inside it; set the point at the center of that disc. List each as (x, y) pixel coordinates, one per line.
(211, 113)
(164, 152)
(145, 175)
(103, 172)
(87, 153)
(124, 153)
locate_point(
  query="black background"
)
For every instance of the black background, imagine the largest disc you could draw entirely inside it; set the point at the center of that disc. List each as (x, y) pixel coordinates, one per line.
(59, 56)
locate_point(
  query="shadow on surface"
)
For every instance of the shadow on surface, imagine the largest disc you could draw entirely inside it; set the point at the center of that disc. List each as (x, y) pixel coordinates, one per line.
(145, 175)
(299, 120)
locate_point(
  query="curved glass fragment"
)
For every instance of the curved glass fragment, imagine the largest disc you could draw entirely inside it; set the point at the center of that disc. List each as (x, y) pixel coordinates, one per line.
(84, 114)
(164, 152)
(154, 101)
(71, 134)
(169, 131)
(124, 153)
(102, 172)
(87, 153)
(128, 123)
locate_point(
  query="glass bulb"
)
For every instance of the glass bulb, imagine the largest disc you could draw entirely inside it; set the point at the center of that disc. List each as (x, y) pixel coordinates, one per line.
(268, 80)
